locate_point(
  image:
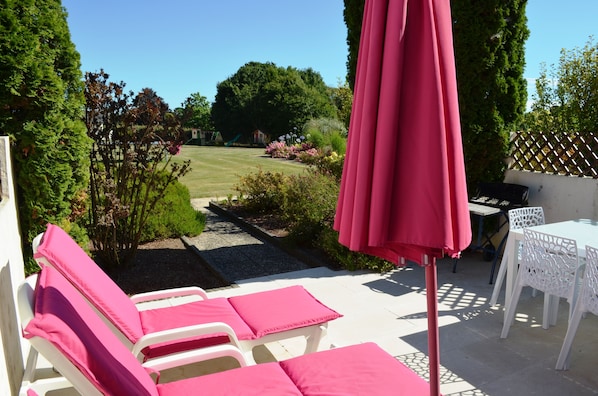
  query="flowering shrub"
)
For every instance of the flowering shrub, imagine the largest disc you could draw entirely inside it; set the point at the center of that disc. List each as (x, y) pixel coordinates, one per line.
(280, 149)
(131, 167)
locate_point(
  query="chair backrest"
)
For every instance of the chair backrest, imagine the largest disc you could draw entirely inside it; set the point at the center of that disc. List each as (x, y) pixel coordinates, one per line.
(59, 250)
(66, 331)
(526, 217)
(549, 263)
(589, 289)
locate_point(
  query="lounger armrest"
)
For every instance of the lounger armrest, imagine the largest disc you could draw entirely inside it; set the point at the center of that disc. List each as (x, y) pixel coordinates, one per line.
(195, 356)
(182, 333)
(169, 293)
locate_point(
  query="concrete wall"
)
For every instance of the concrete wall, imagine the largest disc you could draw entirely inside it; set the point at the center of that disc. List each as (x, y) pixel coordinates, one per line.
(562, 197)
(11, 275)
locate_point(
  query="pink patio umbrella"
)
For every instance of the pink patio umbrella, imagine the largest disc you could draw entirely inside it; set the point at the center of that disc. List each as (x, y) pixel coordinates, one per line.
(403, 191)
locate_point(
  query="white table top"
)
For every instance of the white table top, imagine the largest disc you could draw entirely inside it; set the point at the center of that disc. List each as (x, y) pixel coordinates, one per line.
(583, 231)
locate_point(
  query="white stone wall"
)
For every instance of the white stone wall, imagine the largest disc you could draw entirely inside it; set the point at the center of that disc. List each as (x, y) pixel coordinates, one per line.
(562, 197)
(11, 275)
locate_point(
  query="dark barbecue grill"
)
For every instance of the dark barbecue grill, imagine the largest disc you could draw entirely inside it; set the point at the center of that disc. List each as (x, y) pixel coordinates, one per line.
(504, 196)
(501, 197)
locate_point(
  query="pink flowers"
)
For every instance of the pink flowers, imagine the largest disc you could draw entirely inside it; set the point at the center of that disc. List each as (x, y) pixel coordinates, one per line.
(279, 149)
(174, 149)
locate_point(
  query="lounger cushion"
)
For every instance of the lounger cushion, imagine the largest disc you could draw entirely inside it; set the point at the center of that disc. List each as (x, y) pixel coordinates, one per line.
(206, 311)
(63, 253)
(251, 316)
(363, 369)
(281, 309)
(266, 379)
(64, 319)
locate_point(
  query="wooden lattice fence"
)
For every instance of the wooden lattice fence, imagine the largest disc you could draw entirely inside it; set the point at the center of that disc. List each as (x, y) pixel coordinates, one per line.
(560, 154)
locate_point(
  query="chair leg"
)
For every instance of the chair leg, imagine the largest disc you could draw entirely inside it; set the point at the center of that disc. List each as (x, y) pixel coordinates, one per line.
(510, 314)
(562, 362)
(498, 250)
(551, 308)
(554, 310)
(500, 278)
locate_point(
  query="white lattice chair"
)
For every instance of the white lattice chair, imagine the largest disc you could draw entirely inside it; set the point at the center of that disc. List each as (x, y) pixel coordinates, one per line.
(549, 264)
(587, 301)
(518, 218)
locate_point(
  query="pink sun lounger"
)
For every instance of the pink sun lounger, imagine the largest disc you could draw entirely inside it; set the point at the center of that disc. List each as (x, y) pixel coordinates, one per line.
(245, 321)
(61, 326)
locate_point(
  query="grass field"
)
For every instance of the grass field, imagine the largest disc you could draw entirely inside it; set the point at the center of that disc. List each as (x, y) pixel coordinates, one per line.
(215, 170)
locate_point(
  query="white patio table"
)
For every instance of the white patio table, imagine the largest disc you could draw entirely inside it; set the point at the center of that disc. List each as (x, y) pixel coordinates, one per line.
(583, 231)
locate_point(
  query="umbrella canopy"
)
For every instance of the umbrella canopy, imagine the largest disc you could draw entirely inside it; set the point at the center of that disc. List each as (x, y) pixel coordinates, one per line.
(403, 191)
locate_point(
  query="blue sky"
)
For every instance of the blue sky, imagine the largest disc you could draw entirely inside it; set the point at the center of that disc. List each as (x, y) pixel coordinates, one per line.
(180, 47)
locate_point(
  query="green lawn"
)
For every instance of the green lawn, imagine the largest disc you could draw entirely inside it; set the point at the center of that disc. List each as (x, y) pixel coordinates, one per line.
(215, 170)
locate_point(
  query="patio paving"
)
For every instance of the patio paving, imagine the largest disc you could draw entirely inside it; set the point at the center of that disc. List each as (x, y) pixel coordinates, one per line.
(390, 309)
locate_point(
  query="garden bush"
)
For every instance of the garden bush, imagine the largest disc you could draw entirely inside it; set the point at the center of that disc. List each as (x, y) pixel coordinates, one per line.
(309, 204)
(341, 255)
(262, 191)
(173, 216)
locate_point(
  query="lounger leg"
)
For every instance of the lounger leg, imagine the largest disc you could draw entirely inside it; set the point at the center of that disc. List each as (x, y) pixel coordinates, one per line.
(43, 386)
(249, 357)
(313, 339)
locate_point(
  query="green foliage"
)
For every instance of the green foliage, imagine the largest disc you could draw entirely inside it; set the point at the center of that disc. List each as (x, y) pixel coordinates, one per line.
(331, 165)
(566, 99)
(274, 100)
(262, 191)
(135, 139)
(489, 39)
(328, 241)
(200, 110)
(309, 204)
(329, 135)
(173, 216)
(41, 102)
(342, 97)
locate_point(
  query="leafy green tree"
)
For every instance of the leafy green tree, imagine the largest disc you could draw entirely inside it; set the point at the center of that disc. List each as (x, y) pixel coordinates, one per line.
(200, 110)
(489, 39)
(131, 169)
(566, 97)
(41, 109)
(274, 100)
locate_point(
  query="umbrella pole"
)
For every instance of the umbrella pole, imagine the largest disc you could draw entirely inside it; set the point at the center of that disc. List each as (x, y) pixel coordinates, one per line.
(433, 349)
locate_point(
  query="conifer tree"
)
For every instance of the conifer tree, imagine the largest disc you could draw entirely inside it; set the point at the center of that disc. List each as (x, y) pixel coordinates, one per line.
(41, 109)
(489, 39)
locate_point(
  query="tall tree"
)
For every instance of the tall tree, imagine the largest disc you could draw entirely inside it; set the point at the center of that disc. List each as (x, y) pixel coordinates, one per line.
(489, 39)
(41, 109)
(200, 112)
(275, 100)
(566, 97)
(353, 14)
